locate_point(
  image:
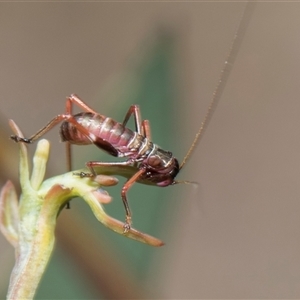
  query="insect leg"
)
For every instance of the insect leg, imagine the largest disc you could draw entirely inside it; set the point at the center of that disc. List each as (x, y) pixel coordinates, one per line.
(71, 99)
(125, 188)
(74, 99)
(92, 164)
(146, 128)
(42, 131)
(142, 127)
(127, 185)
(135, 111)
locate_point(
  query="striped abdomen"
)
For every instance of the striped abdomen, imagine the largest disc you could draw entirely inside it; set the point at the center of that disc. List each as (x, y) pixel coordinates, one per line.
(102, 131)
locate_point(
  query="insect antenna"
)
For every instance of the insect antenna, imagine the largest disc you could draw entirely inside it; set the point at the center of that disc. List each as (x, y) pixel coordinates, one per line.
(228, 64)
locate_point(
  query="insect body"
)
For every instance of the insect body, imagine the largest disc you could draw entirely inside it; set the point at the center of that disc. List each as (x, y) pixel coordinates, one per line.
(154, 164)
(159, 166)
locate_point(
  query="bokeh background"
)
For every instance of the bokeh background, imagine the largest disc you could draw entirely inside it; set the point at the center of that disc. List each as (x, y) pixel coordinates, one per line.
(237, 235)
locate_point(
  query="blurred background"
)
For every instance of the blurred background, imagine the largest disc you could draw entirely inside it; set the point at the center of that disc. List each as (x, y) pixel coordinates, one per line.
(237, 235)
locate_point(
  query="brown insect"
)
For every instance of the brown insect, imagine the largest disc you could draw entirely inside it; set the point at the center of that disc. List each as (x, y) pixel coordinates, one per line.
(153, 165)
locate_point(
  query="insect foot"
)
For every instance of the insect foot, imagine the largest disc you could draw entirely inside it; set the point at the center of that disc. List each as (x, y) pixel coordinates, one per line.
(83, 174)
(18, 139)
(127, 225)
(126, 228)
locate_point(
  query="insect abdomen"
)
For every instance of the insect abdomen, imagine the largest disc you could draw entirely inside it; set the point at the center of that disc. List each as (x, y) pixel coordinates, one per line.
(115, 133)
(97, 126)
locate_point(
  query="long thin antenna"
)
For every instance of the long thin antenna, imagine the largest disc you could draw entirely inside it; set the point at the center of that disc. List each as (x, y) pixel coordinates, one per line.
(229, 62)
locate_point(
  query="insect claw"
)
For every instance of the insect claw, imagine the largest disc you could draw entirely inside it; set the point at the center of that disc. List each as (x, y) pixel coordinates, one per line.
(126, 227)
(18, 139)
(13, 137)
(127, 224)
(83, 174)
